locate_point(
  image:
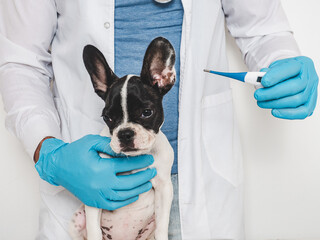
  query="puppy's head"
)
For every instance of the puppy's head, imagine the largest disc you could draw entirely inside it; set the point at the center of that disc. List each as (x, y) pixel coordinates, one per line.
(133, 105)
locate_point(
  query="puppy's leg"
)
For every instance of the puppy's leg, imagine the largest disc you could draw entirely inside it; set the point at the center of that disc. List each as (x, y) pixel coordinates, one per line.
(93, 220)
(77, 226)
(93, 215)
(151, 237)
(163, 158)
(163, 200)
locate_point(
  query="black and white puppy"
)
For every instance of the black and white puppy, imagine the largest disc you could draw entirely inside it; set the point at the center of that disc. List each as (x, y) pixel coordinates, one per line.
(134, 114)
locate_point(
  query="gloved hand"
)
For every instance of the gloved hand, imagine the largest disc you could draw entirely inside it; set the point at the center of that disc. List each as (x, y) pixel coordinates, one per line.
(290, 88)
(78, 167)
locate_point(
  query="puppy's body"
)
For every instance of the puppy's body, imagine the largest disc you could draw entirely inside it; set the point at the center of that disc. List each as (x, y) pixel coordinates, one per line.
(137, 220)
(134, 114)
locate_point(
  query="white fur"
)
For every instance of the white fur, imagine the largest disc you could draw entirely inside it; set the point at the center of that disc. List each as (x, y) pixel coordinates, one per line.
(124, 95)
(169, 59)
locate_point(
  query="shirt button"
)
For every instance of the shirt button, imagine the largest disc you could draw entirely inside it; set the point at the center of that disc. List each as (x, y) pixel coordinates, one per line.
(107, 25)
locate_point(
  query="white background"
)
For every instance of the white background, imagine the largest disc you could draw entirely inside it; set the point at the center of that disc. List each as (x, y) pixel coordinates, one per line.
(282, 158)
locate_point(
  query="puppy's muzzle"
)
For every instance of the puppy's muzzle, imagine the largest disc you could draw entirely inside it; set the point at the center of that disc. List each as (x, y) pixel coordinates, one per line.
(126, 137)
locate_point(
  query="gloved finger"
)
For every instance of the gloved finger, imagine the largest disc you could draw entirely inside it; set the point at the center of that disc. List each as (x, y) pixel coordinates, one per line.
(113, 205)
(264, 69)
(120, 195)
(127, 182)
(281, 72)
(287, 88)
(126, 164)
(298, 113)
(290, 101)
(286, 102)
(102, 144)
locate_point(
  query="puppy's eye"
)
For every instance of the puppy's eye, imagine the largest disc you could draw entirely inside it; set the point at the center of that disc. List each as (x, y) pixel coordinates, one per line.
(146, 113)
(106, 118)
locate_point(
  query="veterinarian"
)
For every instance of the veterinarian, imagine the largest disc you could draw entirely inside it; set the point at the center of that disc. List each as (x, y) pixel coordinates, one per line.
(47, 93)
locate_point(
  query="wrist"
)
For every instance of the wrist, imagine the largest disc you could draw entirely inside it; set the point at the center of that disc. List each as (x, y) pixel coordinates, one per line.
(45, 164)
(37, 151)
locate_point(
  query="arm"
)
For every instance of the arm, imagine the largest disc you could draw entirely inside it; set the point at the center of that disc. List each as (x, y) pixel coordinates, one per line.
(27, 28)
(26, 31)
(261, 30)
(263, 34)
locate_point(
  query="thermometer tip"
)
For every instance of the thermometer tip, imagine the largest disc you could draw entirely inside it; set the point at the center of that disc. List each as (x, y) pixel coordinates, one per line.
(206, 70)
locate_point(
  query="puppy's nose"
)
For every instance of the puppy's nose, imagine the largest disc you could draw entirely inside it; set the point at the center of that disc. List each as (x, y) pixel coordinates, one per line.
(126, 135)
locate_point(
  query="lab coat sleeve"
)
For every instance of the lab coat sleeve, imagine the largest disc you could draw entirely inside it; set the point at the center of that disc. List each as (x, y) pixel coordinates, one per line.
(26, 31)
(261, 31)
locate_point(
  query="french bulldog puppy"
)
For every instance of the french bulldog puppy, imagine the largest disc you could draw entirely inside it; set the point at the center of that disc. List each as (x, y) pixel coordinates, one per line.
(133, 114)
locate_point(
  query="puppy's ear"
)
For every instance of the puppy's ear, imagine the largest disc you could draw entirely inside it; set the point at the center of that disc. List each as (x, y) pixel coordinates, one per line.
(158, 65)
(100, 73)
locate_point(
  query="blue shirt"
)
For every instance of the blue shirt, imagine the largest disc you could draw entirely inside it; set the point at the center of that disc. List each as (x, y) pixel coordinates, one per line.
(137, 23)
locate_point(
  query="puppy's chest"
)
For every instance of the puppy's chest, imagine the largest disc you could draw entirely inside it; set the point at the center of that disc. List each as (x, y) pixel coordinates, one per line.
(132, 222)
(135, 221)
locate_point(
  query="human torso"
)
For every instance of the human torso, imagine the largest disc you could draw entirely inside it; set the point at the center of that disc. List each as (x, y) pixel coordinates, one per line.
(202, 45)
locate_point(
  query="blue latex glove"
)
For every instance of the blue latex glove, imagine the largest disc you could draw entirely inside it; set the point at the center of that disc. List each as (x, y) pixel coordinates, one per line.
(290, 88)
(78, 167)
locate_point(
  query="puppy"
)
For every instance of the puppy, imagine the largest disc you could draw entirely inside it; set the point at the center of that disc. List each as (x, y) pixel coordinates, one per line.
(133, 113)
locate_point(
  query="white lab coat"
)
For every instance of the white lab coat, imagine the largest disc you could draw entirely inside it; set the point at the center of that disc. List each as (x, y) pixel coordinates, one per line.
(210, 161)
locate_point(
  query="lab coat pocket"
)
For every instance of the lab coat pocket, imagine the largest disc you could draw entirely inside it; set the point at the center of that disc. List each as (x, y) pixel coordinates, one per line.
(220, 137)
